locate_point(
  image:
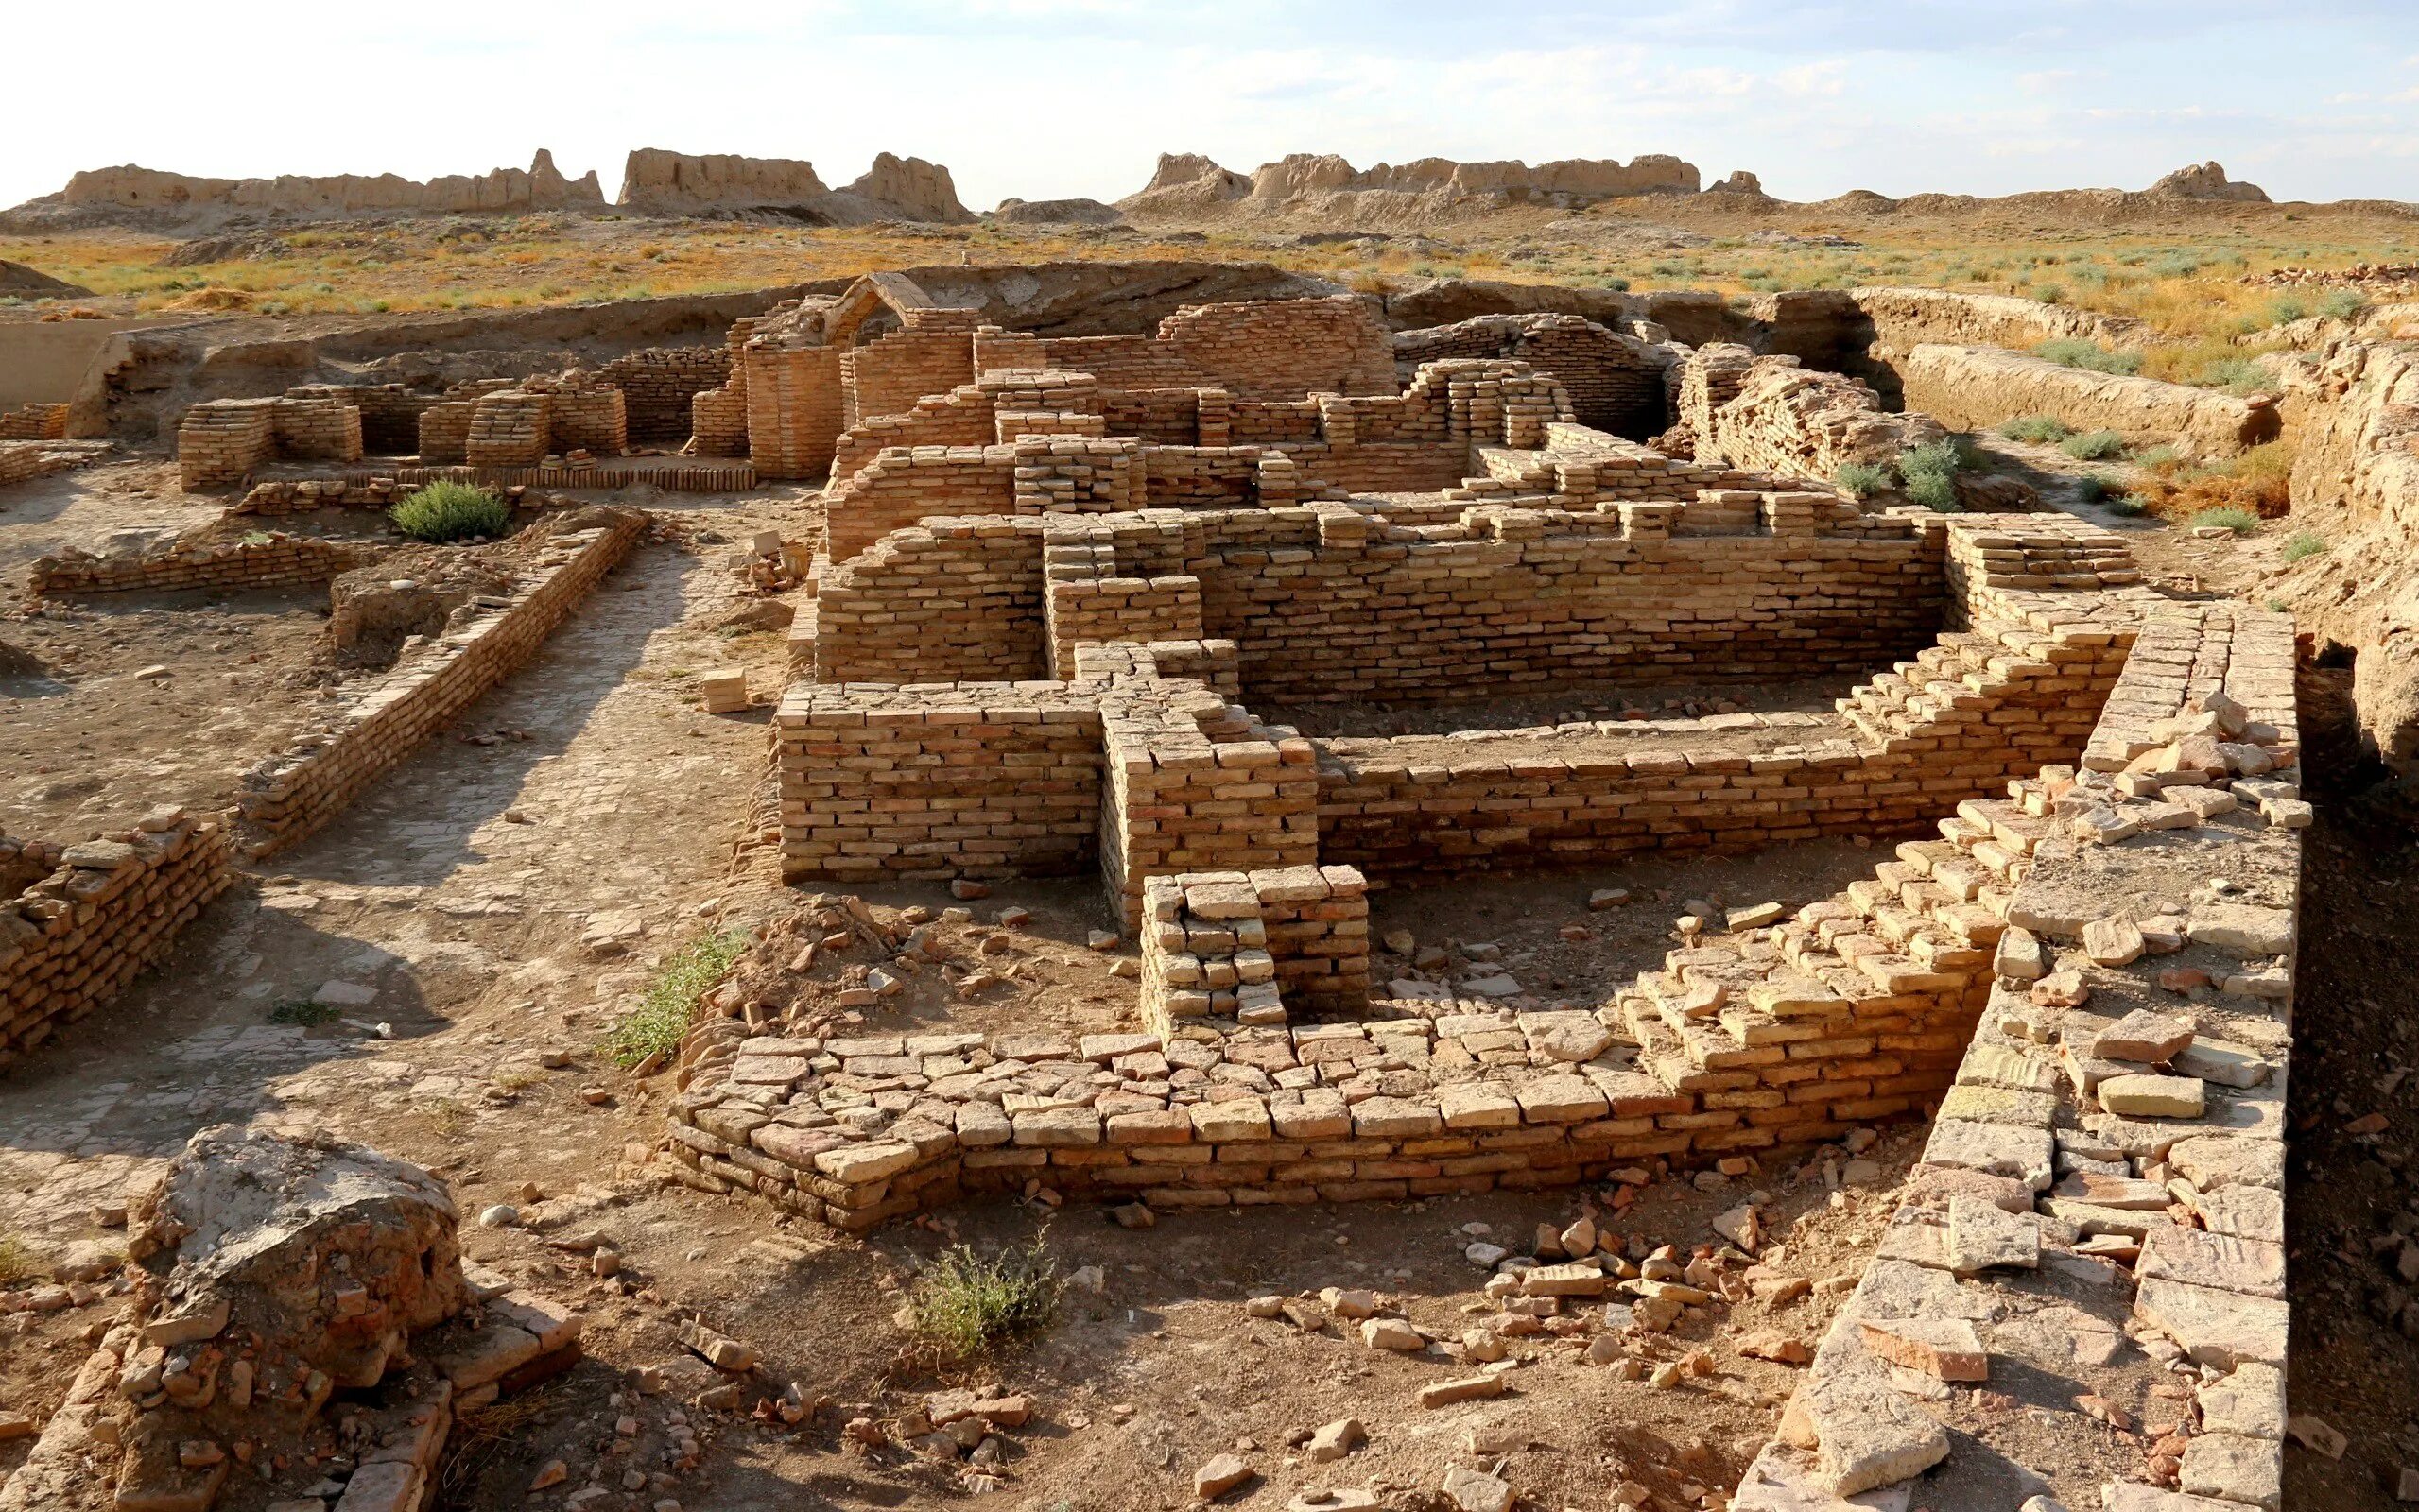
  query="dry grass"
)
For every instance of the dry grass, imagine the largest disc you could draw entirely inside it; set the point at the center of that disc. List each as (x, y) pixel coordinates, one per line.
(2257, 483)
(2188, 288)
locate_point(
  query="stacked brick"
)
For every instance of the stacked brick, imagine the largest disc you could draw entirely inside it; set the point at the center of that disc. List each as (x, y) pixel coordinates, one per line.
(219, 443)
(1254, 946)
(1772, 414)
(23, 461)
(275, 560)
(80, 935)
(657, 385)
(1088, 599)
(289, 796)
(933, 352)
(509, 428)
(1958, 722)
(2133, 1140)
(1616, 383)
(389, 413)
(718, 418)
(1020, 763)
(317, 430)
(791, 410)
(897, 489)
(34, 422)
(587, 418)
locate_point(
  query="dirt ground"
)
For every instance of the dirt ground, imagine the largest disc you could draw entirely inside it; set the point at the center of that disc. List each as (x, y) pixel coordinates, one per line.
(458, 889)
(1630, 702)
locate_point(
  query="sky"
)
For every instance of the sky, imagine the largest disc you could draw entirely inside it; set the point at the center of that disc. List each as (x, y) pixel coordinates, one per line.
(1053, 99)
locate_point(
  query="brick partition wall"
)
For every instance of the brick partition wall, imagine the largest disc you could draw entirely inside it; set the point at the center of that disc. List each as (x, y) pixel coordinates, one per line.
(79, 935)
(932, 353)
(23, 461)
(289, 796)
(509, 428)
(1253, 946)
(792, 409)
(34, 422)
(1859, 1009)
(657, 385)
(221, 442)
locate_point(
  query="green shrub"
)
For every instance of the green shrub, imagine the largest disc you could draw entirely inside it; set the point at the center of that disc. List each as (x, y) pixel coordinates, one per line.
(2303, 544)
(2095, 487)
(2048, 292)
(967, 1302)
(1617, 286)
(2241, 522)
(2123, 504)
(2238, 376)
(1933, 457)
(2342, 305)
(450, 511)
(2089, 355)
(2036, 428)
(1934, 491)
(663, 1015)
(2094, 446)
(1862, 480)
(2285, 309)
(2160, 455)
(304, 1011)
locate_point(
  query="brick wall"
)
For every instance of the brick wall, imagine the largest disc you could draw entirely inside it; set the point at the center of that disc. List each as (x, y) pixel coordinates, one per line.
(933, 354)
(958, 600)
(1256, 947)
(657, 385)
(78, 936)
(793, 404)
(289, 796)
(1616, 383)
(276, 561)
(981, 779)
(219, 443)
(34, 422)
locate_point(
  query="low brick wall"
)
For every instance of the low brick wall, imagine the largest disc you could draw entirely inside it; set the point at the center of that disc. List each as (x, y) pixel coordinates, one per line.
(278, 560)
(288, 797)
(34, 422)
(2172, 1222)
(1253, 946)
(23, 461)
(77, 939)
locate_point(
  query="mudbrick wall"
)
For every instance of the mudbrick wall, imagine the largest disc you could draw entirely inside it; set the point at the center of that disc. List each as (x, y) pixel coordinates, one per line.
(1976, 388)
(274, 560)
(100, 912)
(219, 442)
(34, 422)
(23, 461)
(658, 382)
(290, 795)
(1772, 414)
(2108, 1167)
(1616, 381)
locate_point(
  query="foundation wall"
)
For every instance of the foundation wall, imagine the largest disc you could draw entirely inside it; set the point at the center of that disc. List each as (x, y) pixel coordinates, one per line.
(1976, 387)
(277, 562)
(76, 939)
(289, 796)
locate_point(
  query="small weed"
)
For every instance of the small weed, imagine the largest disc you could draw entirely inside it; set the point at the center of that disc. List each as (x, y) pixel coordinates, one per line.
(446, 1113)
(1862, 480)
(966, 1302)
(2241, 522)
(2095, 488)
(2089, 355)
(18, 1262)
(1930, 473)
(443, 512)
(2285, 309)
(2094, 446)
(2303, 544)
(1936, 491)
(2160, 455)
(655, 1026)
(302, 1011)
(513, 1078)
(2124, 505)
(2036, 428)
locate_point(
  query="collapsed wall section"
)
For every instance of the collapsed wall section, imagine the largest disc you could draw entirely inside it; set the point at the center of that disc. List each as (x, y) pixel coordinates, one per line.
(98, 914)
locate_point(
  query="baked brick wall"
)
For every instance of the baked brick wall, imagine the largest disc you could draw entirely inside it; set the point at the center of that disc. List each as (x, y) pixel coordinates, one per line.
(34, 422)
(985, 778)
(218, 443)
(1254, 947)
(509, 428)
(589, 419)
(657, 385)
(1285, 348)
(794, 403)
(956, 601)
(932, 354)
(276, 561)
(1616, 383)
(78, 936)
(289, 796)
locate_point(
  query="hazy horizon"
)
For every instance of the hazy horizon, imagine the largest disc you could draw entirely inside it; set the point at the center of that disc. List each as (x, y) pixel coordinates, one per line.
(1056, 98)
